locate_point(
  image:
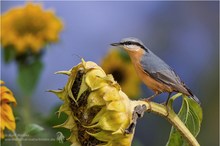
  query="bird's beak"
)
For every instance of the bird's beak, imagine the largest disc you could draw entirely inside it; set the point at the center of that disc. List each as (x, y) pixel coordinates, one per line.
(116, 44)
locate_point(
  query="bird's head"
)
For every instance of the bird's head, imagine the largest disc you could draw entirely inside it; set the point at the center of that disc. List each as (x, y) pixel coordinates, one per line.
(131, 44)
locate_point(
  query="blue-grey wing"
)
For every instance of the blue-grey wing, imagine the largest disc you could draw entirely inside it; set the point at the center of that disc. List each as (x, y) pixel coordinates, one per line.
(163, 73)
(160, 71)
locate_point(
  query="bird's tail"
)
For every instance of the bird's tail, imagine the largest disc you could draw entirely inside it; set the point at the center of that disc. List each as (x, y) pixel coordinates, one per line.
(196, 99)
(192, 95)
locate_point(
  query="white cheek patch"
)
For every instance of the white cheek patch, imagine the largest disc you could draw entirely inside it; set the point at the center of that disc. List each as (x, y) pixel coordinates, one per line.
(132, 47)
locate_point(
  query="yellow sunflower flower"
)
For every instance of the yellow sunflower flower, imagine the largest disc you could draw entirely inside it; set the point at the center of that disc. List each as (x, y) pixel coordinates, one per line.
(117, 64)
(7, 118)
(29, 27)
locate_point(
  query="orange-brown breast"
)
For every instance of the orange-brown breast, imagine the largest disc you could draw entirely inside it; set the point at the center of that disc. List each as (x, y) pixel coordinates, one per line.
(151, 83)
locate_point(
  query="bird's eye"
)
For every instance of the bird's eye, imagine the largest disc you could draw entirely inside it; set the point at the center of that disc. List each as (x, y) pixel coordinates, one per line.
(128, 43)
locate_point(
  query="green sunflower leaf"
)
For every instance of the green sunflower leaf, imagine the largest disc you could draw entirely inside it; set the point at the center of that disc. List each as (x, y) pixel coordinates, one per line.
(191, 114)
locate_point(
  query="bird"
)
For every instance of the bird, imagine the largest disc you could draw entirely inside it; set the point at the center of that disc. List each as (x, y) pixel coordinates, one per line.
(153, 71)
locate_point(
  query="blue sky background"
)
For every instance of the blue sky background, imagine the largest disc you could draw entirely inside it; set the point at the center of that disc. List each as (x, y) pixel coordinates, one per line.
(184, 34)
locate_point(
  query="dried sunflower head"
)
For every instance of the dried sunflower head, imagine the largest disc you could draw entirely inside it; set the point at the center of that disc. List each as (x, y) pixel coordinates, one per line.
(99, 113)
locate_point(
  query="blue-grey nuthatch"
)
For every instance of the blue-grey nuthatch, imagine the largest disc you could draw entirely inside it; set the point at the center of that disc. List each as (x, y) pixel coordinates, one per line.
(153, 71)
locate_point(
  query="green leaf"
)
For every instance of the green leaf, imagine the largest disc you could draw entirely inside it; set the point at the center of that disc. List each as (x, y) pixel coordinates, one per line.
(9, 54)
(33, 129)
(191, 115)
(28, 75)
(171, 100)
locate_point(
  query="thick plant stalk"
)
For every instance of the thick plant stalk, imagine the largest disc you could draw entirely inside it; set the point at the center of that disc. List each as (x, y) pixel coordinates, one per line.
(172, 118)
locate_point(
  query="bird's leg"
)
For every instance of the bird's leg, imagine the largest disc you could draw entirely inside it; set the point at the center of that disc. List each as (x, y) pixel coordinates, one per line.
(151, 97)
(168, 98)
(169, 94)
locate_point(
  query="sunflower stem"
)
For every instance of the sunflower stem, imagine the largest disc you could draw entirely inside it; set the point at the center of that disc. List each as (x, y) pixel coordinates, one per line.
(172, 117)
(18, 140)
(26, 110)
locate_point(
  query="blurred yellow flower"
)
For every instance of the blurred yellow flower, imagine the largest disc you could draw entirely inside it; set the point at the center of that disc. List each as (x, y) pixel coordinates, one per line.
(117, 64)
(7, 118)
(29, 27)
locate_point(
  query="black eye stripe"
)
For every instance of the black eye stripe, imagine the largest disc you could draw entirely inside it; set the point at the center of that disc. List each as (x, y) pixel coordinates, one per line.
(128, 43)
(134, 43)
